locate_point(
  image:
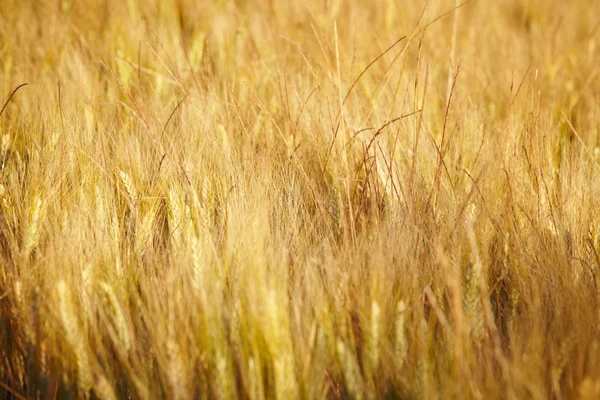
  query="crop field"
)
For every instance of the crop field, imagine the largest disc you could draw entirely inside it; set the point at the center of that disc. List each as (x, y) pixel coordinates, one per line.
(317, 199)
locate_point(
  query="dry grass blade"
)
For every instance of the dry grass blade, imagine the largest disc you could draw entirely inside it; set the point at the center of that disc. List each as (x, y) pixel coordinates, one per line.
(364, 71)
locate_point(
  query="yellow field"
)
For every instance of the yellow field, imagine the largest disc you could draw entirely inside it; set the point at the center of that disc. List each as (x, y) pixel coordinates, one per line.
(319, 199)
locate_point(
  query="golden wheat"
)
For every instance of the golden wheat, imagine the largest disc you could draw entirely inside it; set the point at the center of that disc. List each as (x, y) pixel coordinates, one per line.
(314, 199)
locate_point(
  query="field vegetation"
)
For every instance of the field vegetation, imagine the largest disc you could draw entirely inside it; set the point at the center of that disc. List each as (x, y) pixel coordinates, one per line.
(318, 199)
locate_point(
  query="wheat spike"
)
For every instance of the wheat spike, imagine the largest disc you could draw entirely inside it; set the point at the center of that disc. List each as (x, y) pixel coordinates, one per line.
(32, 231)
(254, 387)
(129, 187)
(224, 387)
(118, 317)
(104, 389)
(177, 372)
(207, 206)
(4, 146)
(401, 346)
(18, 292)
(144, 234)
(175, 217)
(335, 210)
(474, 305)
(86, 292)
(197, 270)
(74, 336)
(373, 338)
(349, 371)
(285, 383)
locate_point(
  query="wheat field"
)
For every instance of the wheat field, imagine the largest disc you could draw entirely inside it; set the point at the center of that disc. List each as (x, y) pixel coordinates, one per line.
(319, 199)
